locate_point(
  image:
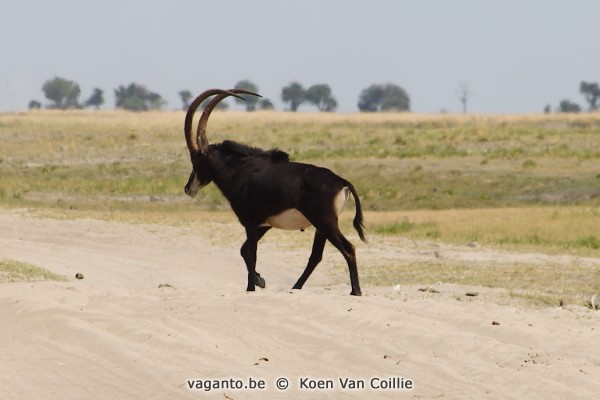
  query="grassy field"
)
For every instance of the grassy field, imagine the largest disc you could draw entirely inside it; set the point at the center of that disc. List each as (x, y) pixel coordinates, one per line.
(512, 182)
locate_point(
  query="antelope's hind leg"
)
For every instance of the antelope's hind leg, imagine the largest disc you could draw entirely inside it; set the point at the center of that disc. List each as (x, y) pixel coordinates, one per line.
(339, 241)
(315, 258)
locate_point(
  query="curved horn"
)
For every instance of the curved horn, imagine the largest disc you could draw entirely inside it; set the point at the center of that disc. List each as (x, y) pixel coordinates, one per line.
(201, 140)
(189, 117)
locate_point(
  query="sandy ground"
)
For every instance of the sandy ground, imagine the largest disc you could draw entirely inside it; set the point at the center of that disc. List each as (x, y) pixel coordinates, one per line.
(117, 335)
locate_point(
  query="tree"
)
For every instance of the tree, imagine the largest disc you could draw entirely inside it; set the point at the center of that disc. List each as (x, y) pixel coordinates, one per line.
(566, 106)
(294, 94)
(394, 99)
(320, 96)
(186, 96)
(137, 98)
(591, 92)
(370, 98)
(464, 93)
(63, 93)
(35, 105)
(266, 104)
(155, 101)
(96, 99)
(251, 101)
(386, 97)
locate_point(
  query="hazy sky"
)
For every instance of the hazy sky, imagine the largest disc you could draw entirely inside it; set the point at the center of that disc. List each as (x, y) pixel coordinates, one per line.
(516, 55)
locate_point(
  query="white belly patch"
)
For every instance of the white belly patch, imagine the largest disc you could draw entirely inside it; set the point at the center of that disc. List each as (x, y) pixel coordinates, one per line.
(292, 219)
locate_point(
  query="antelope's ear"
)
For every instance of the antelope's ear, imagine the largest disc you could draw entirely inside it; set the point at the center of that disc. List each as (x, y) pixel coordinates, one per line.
(202, 142)
(279, 156)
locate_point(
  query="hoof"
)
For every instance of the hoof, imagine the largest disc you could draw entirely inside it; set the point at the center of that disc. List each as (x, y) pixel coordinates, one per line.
(356, 293)
(259, 281)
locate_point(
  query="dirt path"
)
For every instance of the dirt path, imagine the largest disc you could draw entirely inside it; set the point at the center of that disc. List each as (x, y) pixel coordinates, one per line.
(116, 334)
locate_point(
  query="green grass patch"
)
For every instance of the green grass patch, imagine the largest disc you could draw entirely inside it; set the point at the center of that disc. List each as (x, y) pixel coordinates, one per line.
(590, 242)
(426, 230)
(393, 228)
(16, 271)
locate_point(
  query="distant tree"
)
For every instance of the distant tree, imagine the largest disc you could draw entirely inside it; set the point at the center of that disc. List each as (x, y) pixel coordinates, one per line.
(383, 98)
(251, 101)
(155, 101)
(186, 96)
(137, 98)
(320, 96)
(395, 98)
(547, 109)
(464, 94)
(63, 93)
(370, 98)
(266, 104)
(96, 99)
(566, 106)
(35, 105)
(294, 94)
(591, 92)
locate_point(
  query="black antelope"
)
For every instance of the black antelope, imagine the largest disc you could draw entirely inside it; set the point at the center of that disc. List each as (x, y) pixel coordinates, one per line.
(265, 190)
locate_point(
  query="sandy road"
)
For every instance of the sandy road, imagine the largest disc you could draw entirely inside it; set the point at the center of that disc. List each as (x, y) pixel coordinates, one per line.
(116, 334)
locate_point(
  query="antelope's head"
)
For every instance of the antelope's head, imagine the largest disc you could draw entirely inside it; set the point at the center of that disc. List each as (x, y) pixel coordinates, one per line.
(198, 148)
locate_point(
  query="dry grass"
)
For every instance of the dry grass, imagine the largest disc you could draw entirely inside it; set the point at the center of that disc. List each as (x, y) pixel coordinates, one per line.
(397, 161)
(573, 230)
(552, 284)
(512, 181)
(16, 271)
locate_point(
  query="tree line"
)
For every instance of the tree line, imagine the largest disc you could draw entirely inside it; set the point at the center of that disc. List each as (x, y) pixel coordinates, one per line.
(65, 94)
(589, 90)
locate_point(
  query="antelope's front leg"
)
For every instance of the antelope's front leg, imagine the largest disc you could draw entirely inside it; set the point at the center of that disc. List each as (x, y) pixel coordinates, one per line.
(249, 255)
(248, 252)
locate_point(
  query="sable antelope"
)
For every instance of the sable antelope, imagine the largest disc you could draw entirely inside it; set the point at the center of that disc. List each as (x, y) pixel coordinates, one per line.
(265, 190)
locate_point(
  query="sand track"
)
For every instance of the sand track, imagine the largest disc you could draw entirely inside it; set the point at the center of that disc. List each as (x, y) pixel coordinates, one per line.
(115, 334)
